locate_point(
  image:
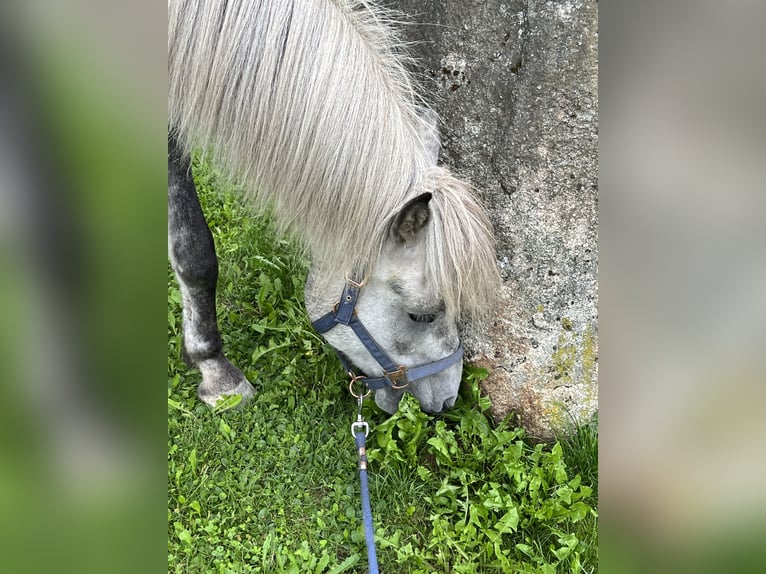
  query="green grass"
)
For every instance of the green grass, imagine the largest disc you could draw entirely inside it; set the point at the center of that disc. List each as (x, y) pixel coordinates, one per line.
(273, 487)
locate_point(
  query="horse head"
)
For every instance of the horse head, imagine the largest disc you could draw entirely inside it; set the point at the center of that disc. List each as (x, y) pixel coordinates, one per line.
(404, 313)
(436, 264)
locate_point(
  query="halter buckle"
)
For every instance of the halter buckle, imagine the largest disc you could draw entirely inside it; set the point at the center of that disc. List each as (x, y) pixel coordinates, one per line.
(395, 376)
(355, 284)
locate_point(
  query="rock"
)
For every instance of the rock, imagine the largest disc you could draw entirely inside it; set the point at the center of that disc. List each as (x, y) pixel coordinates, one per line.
(515, 84)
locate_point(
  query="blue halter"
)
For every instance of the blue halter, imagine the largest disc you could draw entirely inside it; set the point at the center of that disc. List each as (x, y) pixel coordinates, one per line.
(394, 376)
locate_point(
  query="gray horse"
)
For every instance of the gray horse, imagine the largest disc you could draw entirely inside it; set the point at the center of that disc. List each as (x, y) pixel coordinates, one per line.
(307, 105)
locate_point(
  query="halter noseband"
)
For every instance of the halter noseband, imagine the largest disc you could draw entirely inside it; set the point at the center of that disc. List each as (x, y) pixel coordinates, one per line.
(394, 376)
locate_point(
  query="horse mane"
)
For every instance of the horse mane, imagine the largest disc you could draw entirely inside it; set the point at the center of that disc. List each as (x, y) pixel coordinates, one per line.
(307, 105)
(460, 248)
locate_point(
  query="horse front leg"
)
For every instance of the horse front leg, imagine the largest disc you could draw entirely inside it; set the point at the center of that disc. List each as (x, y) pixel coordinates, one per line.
(192, 255)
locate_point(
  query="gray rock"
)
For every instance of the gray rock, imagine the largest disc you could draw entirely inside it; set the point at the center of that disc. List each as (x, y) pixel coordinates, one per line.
(515, 85)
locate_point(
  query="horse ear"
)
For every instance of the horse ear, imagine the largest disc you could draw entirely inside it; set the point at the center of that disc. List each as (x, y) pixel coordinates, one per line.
(411, 219)
(428, 130)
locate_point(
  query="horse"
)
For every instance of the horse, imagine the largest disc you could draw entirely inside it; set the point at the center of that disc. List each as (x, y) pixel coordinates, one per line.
(308, 106)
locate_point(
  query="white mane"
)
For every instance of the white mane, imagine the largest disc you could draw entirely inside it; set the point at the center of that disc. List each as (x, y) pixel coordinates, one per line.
(307, 104)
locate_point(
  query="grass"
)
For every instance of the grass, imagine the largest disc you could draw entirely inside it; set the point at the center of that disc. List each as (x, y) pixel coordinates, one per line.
(273, 487)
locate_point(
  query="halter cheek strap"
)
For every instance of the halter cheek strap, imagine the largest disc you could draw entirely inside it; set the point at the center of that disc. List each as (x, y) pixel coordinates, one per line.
(394, 376)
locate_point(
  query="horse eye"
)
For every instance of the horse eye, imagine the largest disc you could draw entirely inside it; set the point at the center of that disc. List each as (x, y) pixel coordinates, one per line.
(428, 318)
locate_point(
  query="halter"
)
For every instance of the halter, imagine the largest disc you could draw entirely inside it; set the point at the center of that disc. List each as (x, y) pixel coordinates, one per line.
(394, 376)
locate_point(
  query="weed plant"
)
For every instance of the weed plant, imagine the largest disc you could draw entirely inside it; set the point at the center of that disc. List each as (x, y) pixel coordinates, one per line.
(273, 487)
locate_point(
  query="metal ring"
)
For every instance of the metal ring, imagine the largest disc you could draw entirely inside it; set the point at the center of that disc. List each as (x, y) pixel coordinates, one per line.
(355, 379)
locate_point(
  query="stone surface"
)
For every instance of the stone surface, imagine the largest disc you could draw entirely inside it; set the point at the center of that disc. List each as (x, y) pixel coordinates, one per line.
(515, 85)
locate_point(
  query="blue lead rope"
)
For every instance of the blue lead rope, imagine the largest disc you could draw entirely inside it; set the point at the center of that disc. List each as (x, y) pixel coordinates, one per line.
(369, 534)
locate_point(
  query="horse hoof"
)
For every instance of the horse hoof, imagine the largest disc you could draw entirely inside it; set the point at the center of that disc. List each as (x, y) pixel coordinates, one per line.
(221, 379)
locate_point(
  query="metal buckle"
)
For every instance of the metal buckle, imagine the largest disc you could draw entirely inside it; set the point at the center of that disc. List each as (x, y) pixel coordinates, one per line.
(355, 284)
(400, 373)
(354, 380)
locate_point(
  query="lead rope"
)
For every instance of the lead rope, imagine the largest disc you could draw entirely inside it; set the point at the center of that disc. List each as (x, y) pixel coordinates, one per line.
(359, 430)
